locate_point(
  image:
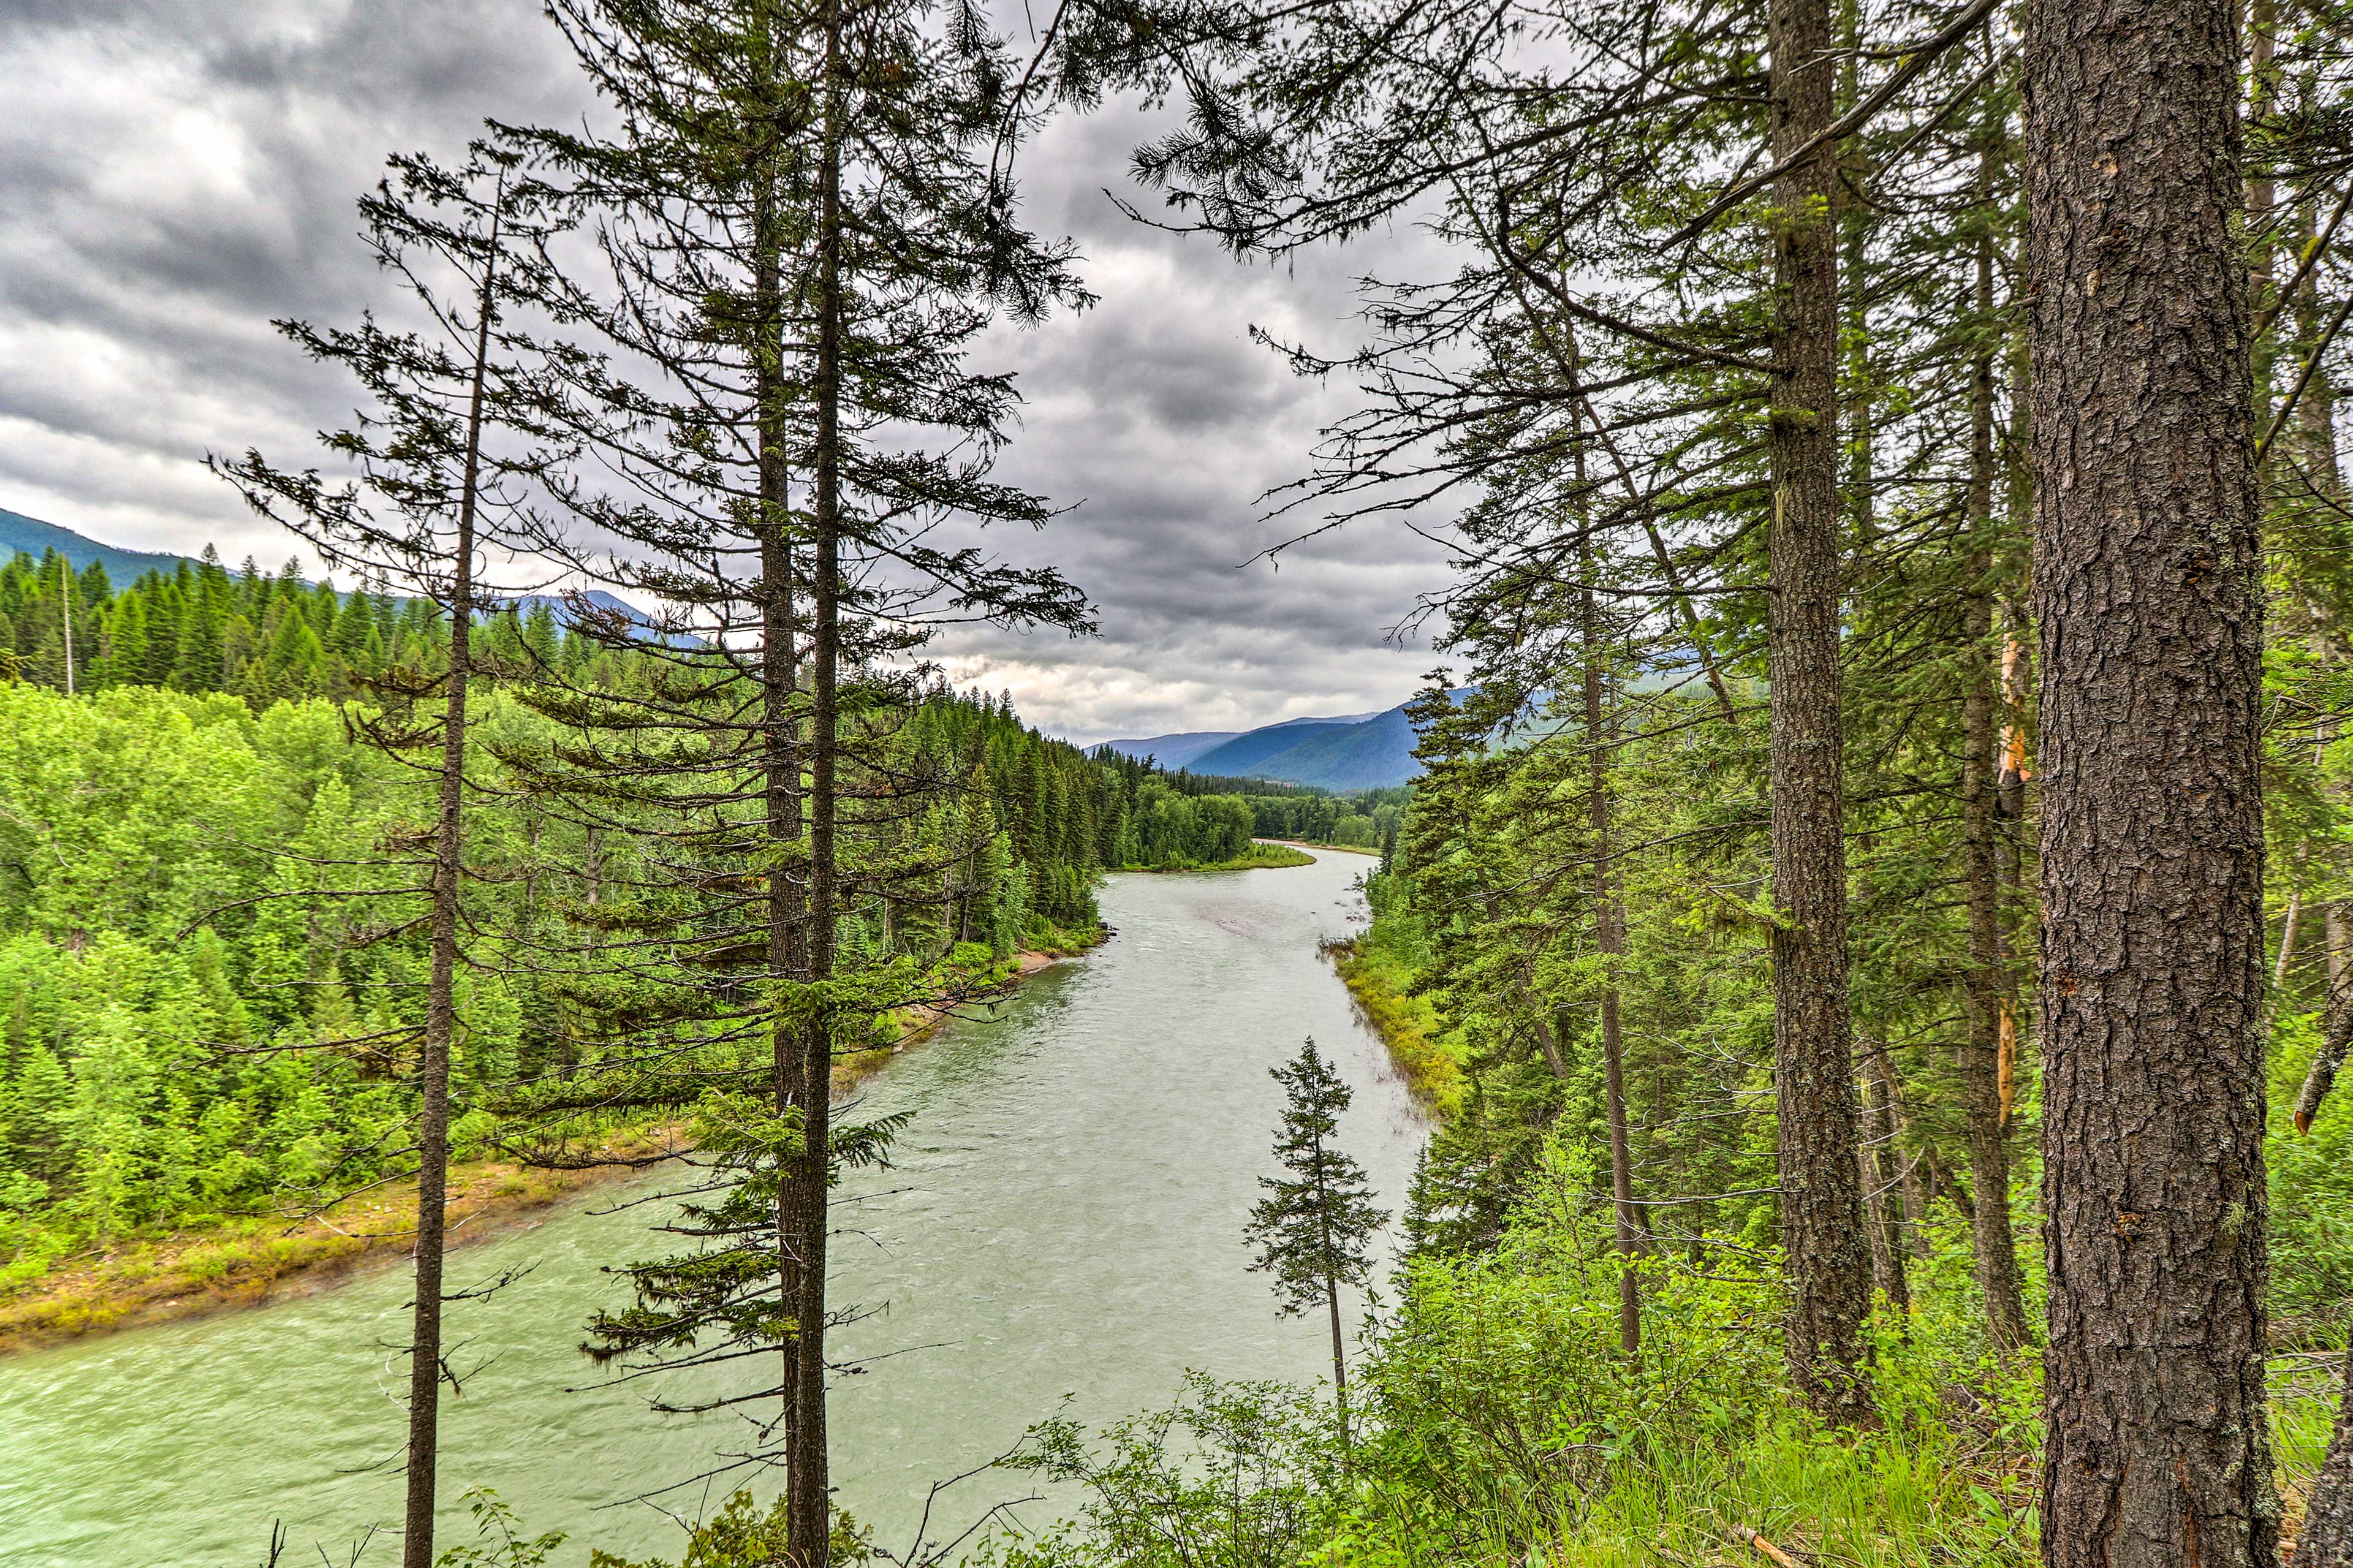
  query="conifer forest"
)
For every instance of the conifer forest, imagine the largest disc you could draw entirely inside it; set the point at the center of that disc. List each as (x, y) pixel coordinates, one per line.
(1862, 961)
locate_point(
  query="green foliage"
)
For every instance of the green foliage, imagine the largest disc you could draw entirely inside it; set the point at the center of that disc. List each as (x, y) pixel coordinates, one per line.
(1314, 1228)
(500, 1540)
(2311, 1195)
(1238, 1475)
(211, 972)
(742, 1534)
(1504, 1425)
(1166, 830)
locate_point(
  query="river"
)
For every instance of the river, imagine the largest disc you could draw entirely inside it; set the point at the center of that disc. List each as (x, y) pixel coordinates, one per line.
(1063, 1217)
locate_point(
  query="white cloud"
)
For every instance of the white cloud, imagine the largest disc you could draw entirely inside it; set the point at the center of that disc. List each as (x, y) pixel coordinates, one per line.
(179, 174)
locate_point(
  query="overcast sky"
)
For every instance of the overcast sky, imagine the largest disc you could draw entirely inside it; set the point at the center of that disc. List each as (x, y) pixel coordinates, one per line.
(176, 173)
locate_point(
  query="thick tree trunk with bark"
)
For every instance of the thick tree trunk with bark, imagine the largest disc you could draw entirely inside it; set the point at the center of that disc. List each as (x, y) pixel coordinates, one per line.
(1827, 1256)
(2148, 589)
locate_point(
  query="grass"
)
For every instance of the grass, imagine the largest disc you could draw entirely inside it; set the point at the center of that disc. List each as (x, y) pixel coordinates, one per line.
(1377, 979)
(1260, 856)
(243, 1260)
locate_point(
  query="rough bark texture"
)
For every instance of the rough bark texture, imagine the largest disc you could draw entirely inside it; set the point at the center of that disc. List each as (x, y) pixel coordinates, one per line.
(1827, 1255)
(2146, 591)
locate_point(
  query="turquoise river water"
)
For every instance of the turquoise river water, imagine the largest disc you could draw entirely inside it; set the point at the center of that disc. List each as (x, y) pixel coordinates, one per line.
(1063, 1218)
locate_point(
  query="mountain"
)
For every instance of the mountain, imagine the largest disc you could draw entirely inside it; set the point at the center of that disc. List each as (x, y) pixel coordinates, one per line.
(1173, 751)
(1248, 756)
(1368, 753)
(1180, 750)
(1374, 755)
(33, 536)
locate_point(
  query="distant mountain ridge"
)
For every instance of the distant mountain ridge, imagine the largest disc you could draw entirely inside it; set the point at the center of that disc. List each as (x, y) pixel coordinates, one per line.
(1350, 752)
(33, 536)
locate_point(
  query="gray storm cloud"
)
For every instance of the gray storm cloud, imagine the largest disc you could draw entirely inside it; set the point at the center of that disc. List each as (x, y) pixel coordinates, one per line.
(178, 174)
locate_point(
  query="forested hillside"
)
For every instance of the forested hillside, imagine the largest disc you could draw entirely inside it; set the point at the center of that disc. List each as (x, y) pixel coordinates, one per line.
(180, 907)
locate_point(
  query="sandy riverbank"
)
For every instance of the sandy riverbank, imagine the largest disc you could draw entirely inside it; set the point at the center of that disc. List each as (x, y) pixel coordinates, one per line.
(250, 1261)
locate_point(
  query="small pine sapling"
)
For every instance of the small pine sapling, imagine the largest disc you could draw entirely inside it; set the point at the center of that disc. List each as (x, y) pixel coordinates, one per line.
(1314, 1227)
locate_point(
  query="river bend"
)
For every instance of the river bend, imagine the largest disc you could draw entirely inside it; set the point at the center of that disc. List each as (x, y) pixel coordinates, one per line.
(1063, 1218)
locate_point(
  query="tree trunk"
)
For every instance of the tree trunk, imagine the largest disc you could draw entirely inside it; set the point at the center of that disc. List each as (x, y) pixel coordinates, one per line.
(441, 985)
(2147, 586)
(1826, 1255)
(1609, 941)
(1332, 1299)
(2263, 87)
(1982, 1075)
(2315, 411)
(1914, 1183)
(780, 760)
(1882, 1188)
(808, 1511)
(2326, 1538)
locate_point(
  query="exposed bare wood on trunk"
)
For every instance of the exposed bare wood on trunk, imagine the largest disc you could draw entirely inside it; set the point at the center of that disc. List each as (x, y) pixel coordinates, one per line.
(2148, 589)
(1826, 1254)
(1984, 1067)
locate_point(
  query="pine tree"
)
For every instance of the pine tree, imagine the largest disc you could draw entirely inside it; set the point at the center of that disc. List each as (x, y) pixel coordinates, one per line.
(431, 492)
(807, 232)
(202, 646)
(2158, 1450)
(1314, 1231)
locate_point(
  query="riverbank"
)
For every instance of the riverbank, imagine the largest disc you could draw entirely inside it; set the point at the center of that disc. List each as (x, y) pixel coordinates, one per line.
(919, 1021)
(248, 1261)
(1311, 844)
(1378, 982)
(1262, 855)
(253, 1260)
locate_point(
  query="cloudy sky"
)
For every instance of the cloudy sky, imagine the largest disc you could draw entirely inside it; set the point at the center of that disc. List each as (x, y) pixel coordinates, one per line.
(178, 172)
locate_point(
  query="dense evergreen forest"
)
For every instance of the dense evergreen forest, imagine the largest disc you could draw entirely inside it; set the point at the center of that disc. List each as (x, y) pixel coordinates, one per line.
(186, 841)
(1875, 930)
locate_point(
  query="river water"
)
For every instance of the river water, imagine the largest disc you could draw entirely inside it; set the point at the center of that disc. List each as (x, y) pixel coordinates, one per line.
(1063, 1218)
